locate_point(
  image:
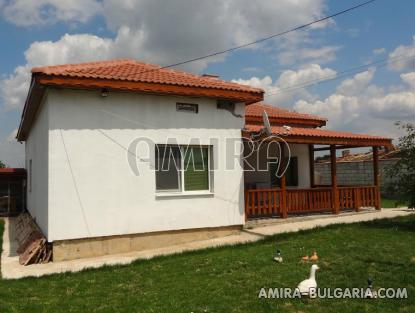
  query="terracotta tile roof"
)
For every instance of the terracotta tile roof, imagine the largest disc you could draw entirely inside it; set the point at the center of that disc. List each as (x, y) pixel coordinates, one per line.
(129, 76)
(280, 116)
(12, 171)
(256, 109)
(321, 136)
(135, 71)
(311, 132)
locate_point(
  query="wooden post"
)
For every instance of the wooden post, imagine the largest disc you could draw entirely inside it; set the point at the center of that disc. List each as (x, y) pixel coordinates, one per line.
(356, 197)
(376, 176)
(246, 202)
(334, 191)
(284, 213)
(8, 199)
(311, 162)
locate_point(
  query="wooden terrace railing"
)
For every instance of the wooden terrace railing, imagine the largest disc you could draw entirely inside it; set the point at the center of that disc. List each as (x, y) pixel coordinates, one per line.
(277, 202)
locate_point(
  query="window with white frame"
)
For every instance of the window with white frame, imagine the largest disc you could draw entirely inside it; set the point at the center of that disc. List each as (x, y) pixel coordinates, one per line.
(184, 169)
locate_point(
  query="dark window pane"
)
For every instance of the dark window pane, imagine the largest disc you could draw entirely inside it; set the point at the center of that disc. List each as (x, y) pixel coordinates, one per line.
(196, 171)
(4, 198)
(292, 172)
(275, 181)
(168, 162)
(291, 175)
(16, 196)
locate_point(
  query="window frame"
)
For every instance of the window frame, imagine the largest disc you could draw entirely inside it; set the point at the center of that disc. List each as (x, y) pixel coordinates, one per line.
(179, 176)
(181, 190)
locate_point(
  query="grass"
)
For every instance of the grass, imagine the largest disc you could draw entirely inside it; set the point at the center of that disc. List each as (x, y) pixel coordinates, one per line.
(228, 279)
(391, 203)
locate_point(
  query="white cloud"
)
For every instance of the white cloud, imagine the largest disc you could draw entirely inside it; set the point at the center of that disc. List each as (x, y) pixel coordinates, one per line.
(357, 84)
(46, 12)
(403, 57)
(162, 32)
(409, 78)
(13, 89)
(305, 74)
(70, 48)
(265, 83)
(339, 109)
(12, 152)
(270, 87)
(182, 31)
(361, 107)
(398, 105)
(235, 20)
(288, 79)
(297, 55)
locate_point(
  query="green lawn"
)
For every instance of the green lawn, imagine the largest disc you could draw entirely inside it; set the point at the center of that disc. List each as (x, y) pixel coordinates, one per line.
(228, 279)
(391, 203)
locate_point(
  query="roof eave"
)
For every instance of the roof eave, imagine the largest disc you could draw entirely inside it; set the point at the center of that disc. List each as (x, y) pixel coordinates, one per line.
(315, 119)
(154, 88)
(32, 103)
(320, 140)
(288, 121)
(40, 81)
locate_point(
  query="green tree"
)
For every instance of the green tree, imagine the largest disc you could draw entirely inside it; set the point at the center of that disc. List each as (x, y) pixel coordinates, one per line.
(403, 171)
(2, 165)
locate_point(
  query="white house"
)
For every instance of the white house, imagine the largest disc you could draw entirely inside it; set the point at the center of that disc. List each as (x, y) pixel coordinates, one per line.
(80, 120)
(95, 133)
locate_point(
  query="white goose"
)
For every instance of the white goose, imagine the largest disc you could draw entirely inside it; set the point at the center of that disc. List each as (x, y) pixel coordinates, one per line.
(305, 286)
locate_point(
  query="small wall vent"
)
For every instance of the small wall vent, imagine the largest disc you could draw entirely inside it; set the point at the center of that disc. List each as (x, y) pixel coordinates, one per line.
(187, 107)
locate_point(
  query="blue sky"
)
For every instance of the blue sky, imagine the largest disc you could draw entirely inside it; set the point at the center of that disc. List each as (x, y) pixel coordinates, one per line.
(51, 32)
(384, 24)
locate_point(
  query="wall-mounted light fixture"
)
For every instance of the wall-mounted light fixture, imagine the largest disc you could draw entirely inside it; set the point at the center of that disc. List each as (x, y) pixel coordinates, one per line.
(105, 92)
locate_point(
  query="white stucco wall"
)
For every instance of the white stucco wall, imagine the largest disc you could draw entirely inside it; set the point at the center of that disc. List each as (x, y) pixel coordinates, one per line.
(37, 150)
(96, 193)
(263, 177)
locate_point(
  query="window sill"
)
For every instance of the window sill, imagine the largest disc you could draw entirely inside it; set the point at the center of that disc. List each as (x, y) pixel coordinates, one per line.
(183, 194)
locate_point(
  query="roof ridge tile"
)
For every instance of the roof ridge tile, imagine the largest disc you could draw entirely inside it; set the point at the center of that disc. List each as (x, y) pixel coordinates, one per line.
(256, 109)
(137, 71)
(93, 64)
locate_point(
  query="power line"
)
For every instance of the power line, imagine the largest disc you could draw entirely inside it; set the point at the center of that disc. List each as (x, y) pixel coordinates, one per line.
(360, 68)
(341, 74)
(122, 147)
(213, 54)
(144, 124)
(75, 184)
